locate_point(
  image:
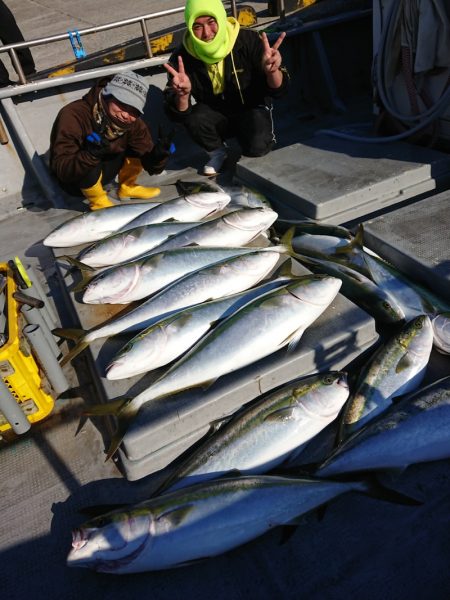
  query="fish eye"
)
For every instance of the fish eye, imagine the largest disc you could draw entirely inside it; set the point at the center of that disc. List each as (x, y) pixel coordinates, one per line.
(328, 380)
(419, 325)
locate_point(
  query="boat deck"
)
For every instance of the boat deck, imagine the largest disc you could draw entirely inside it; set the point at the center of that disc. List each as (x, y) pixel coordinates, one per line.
(360, 546)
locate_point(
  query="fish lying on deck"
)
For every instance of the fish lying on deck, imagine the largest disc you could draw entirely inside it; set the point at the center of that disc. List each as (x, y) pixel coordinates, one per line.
(415, 430)
(170, 337)
(142, 277)
(260, 437)
(197, 522)
(397, 367)
(94, 225)
(263, 326)
(126, 245)
(214, 281)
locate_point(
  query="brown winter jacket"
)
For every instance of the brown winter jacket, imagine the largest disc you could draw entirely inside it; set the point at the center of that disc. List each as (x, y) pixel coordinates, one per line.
(70, 162)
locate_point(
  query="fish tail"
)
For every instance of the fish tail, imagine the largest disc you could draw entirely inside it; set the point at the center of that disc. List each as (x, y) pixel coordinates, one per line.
(76, 335)
(286, 240)
(124, 411)
(356, 242)
(376, 489)
(87, 272)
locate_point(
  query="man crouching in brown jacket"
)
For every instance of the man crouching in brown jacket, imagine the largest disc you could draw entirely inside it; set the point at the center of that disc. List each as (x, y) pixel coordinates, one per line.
(101, 135)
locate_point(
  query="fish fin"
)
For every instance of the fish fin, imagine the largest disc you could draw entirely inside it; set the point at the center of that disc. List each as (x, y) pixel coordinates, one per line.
(379, 490)
(403, 363)
(75, 335)
(427, 306)
(107, 408)
(176, 515)
(77, 263)
(287, 238)
(356, 242)
(69, 333)
(124, 411)
(99, 510)
(86, 278)
(207, 384)
(116, 439)
(284, 414)
(294, 339)
(285, 270)
(287, 531)
(73, 352)
(215, 425)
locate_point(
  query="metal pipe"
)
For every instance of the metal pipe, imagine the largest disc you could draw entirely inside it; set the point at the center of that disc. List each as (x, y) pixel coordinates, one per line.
(33, 316)
(37, 291)
(12, 411)
(35, 162)
(146, 38)
(46, 358)
(64, 36)
(34, 86)
(233, 8)
(17, 66)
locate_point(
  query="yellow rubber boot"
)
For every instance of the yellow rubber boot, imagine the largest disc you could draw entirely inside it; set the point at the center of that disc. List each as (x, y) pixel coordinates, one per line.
(97, 196)
(127, 182)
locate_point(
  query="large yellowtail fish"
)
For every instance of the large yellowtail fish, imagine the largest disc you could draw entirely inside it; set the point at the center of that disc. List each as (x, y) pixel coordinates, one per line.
(263, 326)
(221, 279)
(94, 225)
(198, 522)
(414, 430)
(397, 367)
(262, 435)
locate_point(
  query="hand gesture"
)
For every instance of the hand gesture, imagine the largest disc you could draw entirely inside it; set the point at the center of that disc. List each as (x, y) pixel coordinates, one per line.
(271, 60)
(180, 82)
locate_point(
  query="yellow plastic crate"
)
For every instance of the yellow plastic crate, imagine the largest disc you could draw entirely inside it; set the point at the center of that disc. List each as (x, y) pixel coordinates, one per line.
(18, 368)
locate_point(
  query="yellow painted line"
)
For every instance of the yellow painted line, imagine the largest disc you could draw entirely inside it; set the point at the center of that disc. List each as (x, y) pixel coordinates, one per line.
(64, 71)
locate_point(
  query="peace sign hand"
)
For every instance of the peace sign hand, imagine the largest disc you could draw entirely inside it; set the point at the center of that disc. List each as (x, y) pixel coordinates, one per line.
(180, 82)
(271, 60)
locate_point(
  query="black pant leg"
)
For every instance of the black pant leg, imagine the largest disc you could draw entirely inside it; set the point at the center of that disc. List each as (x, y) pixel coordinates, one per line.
(207, 127)
(254, 130)
(9, 34)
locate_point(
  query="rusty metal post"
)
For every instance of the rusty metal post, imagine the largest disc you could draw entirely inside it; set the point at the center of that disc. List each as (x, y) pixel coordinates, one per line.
(3, 135)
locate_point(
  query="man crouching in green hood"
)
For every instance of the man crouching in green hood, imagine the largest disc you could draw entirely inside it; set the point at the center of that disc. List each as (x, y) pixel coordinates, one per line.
(232, 74)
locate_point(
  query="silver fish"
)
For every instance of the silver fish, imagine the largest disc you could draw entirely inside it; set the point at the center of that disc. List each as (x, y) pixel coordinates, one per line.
(236, 228)
(358, 288)
(263, 435)
(398, 367)
(414, 430)
(142, 277)
(201, 521)
(261, 327)
(94, 225)
(214, 281)
(189, 208)
(126, 245)
(169, 338)
(413, 298)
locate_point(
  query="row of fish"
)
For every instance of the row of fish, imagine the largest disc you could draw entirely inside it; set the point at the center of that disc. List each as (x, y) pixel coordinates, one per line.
(196, 515)
(377, 286)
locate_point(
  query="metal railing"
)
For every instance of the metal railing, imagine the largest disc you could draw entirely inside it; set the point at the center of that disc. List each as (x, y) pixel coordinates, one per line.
(24, 86)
